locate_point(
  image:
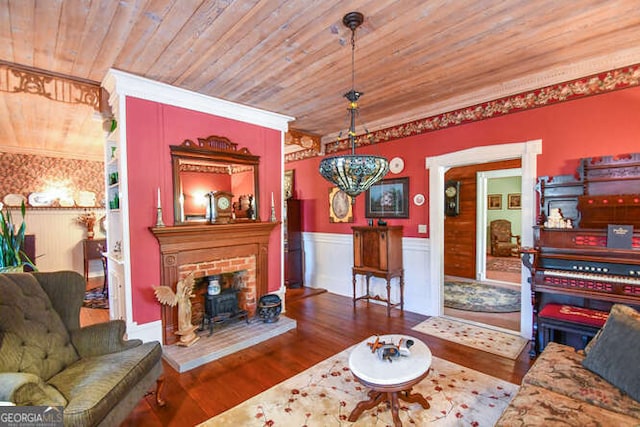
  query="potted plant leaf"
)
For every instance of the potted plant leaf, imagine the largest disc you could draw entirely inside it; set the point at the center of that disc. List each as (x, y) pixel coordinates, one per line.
(12, 257)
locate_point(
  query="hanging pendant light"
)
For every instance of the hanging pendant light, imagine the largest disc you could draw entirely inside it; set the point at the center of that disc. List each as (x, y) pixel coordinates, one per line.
(353, 173)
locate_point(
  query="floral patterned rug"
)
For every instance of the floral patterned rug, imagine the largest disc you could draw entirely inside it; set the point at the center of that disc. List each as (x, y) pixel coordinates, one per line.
(510, 264)
(325, 394)
(477, 296)
(495, 342)
(94, 298)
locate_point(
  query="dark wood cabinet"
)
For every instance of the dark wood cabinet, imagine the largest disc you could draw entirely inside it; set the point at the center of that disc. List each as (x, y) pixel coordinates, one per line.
(293, 250)
(93, 249)
(377, 252)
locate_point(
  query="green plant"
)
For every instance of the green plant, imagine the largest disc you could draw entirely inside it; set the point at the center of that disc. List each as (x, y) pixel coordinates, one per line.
(11, 240)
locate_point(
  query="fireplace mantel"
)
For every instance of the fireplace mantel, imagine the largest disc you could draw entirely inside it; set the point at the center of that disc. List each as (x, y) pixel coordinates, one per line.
(190, 244)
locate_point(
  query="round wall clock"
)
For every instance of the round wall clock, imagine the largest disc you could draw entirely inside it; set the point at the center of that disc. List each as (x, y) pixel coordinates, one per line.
(396, 165)
(452, 198)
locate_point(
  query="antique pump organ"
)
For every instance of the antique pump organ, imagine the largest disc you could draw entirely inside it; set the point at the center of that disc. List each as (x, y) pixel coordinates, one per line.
(579, 268)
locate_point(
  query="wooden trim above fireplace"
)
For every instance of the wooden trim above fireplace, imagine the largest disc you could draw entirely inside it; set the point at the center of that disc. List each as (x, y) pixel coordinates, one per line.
(190, 244)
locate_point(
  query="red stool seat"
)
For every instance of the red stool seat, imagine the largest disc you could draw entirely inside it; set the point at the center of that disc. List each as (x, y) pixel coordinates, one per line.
(584, 322)
(569, 313)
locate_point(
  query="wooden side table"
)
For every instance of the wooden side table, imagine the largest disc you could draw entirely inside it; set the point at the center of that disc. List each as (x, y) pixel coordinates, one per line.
(389, 381)
(377, 252)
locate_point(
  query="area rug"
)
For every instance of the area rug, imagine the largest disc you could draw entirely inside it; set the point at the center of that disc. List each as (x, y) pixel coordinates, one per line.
(94, 298)
(508, 264)
(325, 395)
(495, 342)
(482, 297)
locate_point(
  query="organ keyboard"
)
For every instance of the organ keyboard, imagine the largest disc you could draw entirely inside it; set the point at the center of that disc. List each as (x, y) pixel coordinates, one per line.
(574, 266)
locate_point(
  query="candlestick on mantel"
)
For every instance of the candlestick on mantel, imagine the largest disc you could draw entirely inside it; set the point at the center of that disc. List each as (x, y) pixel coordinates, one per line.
(273, 209)
(159, 222)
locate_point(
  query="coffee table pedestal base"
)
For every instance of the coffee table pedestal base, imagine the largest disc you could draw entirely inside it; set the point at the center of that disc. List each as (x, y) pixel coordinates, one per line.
(390, 394)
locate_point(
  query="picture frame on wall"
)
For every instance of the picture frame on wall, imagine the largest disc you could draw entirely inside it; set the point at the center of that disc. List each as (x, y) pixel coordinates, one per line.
(289, 183)
(494, 202)
(340, 206)
(513, 201)
(388, 198)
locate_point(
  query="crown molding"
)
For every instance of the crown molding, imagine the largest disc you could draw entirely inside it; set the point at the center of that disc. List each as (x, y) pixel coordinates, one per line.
(122, 83)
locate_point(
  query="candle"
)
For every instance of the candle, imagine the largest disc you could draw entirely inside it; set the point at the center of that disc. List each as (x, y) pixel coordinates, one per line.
(159, 205)
(272, 203)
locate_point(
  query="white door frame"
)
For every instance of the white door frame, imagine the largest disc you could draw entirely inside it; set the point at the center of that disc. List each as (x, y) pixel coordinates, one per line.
(438, 165)
(481, 215)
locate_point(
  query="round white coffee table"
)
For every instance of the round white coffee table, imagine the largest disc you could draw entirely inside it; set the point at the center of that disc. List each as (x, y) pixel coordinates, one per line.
(389, 381)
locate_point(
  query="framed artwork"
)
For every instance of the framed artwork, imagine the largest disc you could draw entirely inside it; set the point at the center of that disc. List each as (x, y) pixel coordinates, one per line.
(494, 201)
(340, 206)
(288, 184)
(513, 201)
(388, 198)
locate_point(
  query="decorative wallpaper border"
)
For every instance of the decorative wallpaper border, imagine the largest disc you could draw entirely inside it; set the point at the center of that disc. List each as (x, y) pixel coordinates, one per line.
(579, 88)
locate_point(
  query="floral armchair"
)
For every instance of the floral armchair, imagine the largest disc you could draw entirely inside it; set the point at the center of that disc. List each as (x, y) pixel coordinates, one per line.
(503, 243)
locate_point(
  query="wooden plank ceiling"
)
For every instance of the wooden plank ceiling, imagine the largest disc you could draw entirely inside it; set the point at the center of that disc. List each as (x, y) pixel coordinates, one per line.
(414, 58)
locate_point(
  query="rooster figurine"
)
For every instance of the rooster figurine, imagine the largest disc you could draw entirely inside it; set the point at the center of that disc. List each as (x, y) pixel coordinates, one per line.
(182, 297)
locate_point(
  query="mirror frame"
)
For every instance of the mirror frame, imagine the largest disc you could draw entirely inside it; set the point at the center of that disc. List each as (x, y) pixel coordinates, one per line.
(216, 149)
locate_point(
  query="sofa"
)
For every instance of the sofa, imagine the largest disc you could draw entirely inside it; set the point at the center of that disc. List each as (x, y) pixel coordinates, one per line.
(47, 359)
(599, 386)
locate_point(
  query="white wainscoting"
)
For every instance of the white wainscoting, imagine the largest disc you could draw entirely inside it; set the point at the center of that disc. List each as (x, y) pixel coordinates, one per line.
(329, 258)
(59, 239)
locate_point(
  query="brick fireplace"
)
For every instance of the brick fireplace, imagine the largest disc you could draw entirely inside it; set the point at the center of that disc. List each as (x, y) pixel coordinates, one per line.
(213, 249)
(236, 273)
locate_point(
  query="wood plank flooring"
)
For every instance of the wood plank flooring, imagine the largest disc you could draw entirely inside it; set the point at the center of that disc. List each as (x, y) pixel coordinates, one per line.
(327, 324)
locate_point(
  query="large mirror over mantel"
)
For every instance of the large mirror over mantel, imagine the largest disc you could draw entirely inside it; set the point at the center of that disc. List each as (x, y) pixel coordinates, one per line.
(214, 182)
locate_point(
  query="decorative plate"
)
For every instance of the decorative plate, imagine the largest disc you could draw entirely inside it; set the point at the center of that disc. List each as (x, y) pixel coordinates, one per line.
(418, 199)
(396, 165)
(40, 199)
(86, 199)
(13, 200)
(66, 202)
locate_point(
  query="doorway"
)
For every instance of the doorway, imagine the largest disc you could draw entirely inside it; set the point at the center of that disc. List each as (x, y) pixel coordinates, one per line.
(438, 165)
(469, 248)
(498, 205)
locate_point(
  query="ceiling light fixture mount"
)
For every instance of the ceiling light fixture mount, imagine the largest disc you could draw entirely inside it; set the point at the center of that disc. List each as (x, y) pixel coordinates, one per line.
(353, 173)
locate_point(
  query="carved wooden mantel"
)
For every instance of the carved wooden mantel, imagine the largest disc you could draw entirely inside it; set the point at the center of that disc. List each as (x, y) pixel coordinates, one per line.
(191, 244)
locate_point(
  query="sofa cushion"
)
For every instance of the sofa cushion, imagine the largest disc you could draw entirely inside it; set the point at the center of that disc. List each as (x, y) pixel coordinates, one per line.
(614, 356)
(34, 339)
(94, 385)
(537, 406)
(559, 368)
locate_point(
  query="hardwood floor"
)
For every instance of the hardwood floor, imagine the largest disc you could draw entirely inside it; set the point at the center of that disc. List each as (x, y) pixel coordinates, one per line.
(327, 324)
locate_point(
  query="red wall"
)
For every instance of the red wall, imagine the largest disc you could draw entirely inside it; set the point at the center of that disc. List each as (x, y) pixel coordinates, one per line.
(599, 125)
(151, 129)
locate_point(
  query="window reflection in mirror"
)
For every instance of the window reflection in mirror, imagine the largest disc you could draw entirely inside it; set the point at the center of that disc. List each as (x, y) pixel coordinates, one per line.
(209, 165)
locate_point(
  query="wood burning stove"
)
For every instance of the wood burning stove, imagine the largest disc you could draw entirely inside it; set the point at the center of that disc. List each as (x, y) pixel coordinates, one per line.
(222, 308)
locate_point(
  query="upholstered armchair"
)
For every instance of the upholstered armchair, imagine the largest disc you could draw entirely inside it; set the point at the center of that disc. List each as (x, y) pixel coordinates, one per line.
(503, 243)
(47, 359)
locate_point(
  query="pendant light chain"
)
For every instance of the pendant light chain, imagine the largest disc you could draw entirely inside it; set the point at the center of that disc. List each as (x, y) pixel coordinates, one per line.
(353, 173)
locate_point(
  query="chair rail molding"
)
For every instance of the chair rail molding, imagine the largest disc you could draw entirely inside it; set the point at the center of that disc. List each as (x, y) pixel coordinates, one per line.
(329, 258)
